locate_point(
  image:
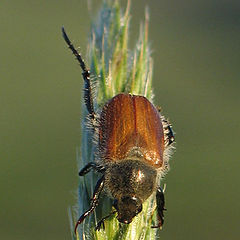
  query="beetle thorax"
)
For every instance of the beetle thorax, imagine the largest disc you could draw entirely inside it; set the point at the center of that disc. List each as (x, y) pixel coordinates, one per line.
(130, 178)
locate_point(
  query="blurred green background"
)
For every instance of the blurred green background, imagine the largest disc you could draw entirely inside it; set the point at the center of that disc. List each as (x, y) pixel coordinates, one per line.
(196, 51)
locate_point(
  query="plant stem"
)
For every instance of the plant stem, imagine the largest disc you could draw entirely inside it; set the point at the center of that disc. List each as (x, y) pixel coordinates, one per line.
(114, 69)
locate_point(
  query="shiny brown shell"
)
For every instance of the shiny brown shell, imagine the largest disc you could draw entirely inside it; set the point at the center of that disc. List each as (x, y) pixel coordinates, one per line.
(131, 128)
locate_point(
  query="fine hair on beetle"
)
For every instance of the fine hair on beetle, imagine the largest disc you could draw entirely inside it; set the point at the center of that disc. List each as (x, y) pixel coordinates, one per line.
(133, 144)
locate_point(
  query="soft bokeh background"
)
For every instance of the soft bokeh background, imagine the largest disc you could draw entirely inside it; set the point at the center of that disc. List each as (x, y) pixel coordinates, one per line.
(196, 51)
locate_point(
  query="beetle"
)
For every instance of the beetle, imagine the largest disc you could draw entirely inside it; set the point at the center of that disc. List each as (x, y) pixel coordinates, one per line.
(134, 140)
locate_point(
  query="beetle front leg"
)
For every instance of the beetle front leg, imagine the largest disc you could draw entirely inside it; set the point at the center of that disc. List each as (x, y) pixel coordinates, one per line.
(97, 191)
(101, 222)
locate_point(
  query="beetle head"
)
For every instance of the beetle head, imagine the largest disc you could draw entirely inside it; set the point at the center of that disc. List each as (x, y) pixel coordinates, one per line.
(127, 207)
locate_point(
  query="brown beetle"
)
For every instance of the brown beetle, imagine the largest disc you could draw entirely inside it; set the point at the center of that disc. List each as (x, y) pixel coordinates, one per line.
(133, 143)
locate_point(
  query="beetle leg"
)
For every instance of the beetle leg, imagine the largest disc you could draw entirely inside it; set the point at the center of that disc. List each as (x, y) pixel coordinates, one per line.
(160, 207)
(170, 135)
(88, 98)
(168, 132)
(97, 191)
(89, 167)
(101, 222)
